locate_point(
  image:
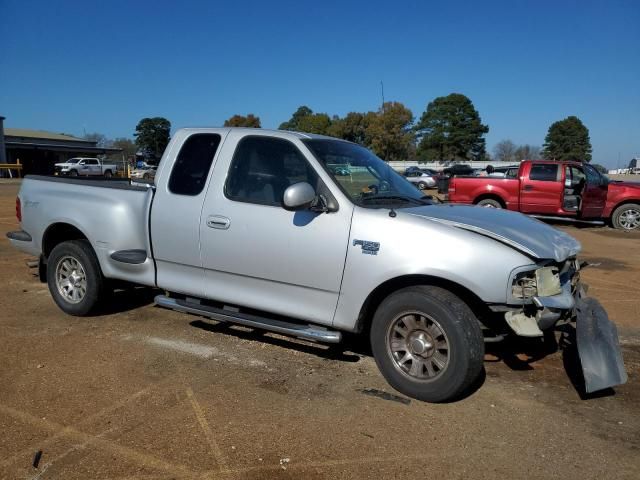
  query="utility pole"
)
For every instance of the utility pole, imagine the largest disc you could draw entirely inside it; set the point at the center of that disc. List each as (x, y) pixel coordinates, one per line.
(382, 93)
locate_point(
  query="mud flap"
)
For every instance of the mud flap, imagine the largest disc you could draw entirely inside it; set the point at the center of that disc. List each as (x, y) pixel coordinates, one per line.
(598, 346)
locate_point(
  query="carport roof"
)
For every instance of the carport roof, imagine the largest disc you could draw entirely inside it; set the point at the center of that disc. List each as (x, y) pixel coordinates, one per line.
(42, 134)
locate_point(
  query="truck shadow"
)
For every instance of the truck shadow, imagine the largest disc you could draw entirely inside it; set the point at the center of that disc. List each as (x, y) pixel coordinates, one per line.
(340, 352)
(352, 349)
(127, 298)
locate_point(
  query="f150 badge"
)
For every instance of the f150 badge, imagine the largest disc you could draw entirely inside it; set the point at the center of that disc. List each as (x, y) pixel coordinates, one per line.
(368, 248)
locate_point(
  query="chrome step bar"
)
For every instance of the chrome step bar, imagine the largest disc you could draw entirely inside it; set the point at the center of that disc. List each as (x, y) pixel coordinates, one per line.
(305, 332)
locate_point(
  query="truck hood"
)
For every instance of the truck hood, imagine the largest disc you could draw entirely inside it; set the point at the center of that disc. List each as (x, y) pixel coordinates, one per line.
(64, 164)
(528, 235)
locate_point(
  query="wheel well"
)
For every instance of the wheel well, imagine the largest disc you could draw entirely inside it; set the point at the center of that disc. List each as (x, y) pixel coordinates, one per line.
(382, 291)
(490, 196)
(625, 202)
(58, 233)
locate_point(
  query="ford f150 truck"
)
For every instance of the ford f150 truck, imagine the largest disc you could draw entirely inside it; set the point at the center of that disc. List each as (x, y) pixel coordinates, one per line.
(253, 227)
(85, 167)
(546, 189)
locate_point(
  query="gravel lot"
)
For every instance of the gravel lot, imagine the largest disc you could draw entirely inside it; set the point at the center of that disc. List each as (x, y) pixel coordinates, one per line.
(140, 392)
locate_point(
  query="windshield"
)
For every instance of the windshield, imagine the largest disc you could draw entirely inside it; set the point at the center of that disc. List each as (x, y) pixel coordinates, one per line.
(73, 160)
(365, 178)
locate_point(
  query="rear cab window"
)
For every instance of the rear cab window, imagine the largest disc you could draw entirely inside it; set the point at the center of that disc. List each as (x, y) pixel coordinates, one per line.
(191, 168)
(545, 172)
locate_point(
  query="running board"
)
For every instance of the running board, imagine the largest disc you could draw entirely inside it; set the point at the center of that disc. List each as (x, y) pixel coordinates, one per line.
(305, 332)
(568, 219)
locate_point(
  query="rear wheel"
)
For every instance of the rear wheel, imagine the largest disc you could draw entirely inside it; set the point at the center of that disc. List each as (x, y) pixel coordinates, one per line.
(74, 277)
(627, 217)
(489, 203)
(108, 174)
(427, 343)
(422, 185)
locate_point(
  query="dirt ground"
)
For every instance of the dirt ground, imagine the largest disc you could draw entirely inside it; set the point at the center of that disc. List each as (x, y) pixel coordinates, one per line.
(145, 393)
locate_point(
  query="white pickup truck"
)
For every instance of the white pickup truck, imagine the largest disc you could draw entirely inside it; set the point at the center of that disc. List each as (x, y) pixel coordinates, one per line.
(255, 227)
(80, 166)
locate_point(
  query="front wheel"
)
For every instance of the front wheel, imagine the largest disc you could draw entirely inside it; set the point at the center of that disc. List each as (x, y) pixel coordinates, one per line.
(74, 277)
(627, 217)
(427, 343)
(74, 173)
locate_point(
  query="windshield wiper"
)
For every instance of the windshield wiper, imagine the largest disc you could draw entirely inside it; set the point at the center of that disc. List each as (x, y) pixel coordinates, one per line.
(406, 198)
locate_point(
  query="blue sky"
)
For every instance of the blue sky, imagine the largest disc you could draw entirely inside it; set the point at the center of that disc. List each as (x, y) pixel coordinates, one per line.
(70, 66)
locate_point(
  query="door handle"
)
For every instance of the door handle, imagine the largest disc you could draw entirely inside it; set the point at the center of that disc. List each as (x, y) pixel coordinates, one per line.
(528, 188)
(218, 221)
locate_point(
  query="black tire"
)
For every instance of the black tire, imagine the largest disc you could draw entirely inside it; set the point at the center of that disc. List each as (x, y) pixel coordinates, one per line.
(622, 216)
(489, 203)
(73, 173)
(107, 174)
(422, 185)
(460, 332)
(94, 282)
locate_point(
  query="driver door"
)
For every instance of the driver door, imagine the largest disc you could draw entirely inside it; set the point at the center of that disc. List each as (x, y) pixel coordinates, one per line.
(594, 197)
(257, 254)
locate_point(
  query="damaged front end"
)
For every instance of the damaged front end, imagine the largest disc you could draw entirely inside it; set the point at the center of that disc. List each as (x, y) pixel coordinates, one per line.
(549, 295)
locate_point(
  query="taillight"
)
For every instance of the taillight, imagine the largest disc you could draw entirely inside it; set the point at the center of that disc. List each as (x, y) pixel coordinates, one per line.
(18, 209)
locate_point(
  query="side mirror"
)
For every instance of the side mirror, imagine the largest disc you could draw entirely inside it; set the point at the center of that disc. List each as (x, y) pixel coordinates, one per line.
(299, 196)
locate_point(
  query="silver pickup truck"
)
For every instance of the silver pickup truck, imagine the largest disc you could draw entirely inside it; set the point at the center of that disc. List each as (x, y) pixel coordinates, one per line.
(252, 227)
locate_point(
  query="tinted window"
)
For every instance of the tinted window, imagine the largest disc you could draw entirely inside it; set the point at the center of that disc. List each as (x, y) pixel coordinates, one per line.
(545, 172)
(593, 176)
(192, 166)
(263, 167)
(91, 162)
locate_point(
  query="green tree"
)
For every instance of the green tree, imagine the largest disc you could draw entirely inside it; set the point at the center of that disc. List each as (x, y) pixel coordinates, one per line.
(294, 122)
(451, 129)
(390, 132)
(304, 120)
(250, 121)
(353, 127)
(152, 136)
(567, 139)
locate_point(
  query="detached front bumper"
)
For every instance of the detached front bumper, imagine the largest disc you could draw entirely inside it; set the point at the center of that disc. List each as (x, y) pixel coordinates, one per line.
(596, 335)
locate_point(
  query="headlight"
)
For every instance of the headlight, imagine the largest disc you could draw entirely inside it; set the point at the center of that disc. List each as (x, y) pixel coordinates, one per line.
(548, 281)
(524, 285)
(543, 282)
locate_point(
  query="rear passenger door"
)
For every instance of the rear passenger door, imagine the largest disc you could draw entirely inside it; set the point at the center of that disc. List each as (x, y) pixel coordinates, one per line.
(541, 190)
(176, 212)
(257, 254)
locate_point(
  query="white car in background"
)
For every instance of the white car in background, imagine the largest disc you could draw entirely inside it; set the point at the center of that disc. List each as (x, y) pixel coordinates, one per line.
(421, 179)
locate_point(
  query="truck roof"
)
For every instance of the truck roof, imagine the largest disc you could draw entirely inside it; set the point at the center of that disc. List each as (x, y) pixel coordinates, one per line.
(260, 131)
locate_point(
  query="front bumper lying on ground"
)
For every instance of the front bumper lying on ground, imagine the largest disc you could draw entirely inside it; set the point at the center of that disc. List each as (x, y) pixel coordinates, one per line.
(598, 346)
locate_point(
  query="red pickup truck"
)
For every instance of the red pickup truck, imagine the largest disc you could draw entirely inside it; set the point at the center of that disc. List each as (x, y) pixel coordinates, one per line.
(547, 189)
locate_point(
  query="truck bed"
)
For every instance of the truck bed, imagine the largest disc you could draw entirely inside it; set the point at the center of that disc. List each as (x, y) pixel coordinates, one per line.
(471, 189)
(112, 214)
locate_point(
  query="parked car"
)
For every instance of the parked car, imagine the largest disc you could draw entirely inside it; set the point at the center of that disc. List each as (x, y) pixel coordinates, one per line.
(421, 180)
(458, 169)
(564, 190)
(80, 166)
(268, 237)
(144, 173)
